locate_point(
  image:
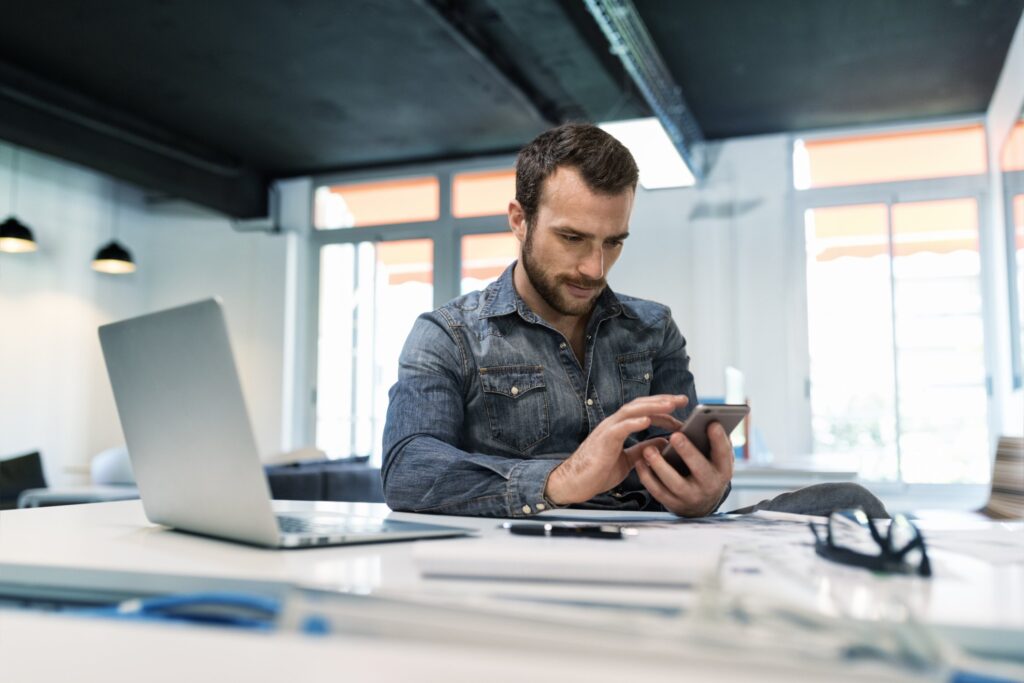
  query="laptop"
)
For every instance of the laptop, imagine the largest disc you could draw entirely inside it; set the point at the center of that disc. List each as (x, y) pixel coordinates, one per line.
(191, 443)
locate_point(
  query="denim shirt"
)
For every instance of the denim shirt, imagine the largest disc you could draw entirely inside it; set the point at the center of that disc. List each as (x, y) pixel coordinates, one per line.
(490, 398)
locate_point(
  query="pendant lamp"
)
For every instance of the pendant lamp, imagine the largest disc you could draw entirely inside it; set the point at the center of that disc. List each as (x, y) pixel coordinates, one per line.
(113, 257)
(15, 236)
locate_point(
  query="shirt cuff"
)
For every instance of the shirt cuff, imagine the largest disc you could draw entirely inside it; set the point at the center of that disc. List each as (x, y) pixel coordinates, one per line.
(526, 484)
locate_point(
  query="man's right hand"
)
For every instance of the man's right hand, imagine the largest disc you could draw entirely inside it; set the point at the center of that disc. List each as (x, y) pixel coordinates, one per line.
(601, 462)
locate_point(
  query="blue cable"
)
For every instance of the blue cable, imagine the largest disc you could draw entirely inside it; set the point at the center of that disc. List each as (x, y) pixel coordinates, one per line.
(241, 610)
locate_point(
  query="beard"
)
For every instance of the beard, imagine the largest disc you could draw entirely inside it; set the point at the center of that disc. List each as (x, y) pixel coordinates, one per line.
(549, 286)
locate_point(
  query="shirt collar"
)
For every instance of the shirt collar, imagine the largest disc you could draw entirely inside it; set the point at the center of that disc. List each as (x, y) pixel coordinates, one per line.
(503, 299)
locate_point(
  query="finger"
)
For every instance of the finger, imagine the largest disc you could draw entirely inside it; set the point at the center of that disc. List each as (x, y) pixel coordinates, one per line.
(722, 455)
(666, 422)
(657, 442)
(700, 468)
(669, 477)
(656, 488)
(635, 452)
(650, 405)
(621, 429)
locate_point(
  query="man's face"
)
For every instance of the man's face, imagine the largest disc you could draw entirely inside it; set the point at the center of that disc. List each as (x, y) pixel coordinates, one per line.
(575, 239)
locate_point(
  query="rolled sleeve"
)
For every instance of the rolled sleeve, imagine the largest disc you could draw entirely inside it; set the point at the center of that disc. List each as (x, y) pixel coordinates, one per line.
(526, 484)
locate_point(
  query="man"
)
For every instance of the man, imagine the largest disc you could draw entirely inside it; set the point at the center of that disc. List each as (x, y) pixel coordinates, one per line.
(547, 389)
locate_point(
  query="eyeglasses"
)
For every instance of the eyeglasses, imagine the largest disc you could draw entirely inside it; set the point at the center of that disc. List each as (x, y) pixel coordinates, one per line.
(853, 538)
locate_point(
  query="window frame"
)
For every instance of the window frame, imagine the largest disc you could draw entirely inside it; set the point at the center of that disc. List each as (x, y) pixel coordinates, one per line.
(446, 233)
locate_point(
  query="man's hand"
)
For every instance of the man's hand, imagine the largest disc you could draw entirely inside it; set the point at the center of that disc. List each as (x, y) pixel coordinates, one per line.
(601, 463)
(698, 493)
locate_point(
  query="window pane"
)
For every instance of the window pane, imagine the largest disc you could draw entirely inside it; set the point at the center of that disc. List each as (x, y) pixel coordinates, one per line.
(483, 194)
(370, 295)
(484, 257)
(408, 200)
(1013, 149)
(885, 158)
(1018, 248)
(850, 336)
(940, 342)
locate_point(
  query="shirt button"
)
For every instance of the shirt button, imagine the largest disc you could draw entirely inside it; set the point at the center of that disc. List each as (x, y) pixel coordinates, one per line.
(562, 345)
(514, 391)
(527, 509)
(540, 507)
(590, 401)
(647, 375)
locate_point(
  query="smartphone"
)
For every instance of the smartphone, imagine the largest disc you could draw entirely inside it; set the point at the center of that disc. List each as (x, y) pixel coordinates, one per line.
(696, 429)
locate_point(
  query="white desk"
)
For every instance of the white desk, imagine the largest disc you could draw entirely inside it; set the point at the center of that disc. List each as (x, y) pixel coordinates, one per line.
(113, 549)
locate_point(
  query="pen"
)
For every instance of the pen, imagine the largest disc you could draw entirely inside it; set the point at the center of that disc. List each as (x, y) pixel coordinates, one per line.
(577, 530)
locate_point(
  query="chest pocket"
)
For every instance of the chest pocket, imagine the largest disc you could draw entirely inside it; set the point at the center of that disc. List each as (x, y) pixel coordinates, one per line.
(635, 373)
(517, 405)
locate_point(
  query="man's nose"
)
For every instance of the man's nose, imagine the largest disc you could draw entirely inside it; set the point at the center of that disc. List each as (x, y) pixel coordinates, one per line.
(592, 266)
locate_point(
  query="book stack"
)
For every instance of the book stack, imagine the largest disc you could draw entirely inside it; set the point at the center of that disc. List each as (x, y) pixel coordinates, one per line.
(1007, 498)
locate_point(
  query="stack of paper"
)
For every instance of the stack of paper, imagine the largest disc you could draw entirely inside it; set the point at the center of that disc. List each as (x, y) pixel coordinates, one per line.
(1007, 499)
(654, 557)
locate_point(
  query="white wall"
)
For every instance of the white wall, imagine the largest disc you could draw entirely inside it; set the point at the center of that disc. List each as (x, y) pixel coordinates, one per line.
(54, 394)
(728, 259)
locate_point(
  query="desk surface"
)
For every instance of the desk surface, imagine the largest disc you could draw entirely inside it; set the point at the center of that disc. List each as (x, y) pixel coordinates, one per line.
(111, 547)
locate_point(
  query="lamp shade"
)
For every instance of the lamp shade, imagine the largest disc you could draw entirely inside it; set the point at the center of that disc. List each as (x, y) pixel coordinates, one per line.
(114, 259)
(15, 237)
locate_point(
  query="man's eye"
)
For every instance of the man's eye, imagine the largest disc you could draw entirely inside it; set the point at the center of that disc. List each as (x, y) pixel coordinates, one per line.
(572, 238)
(614, 244)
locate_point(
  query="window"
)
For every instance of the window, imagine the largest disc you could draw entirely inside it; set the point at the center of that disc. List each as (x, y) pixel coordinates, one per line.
(483, 193)
(370, 295)
(388, 250)
(897, 365)
(914, 155)
(484, 257)
(896, 338)
(406, 200)
(852, 360)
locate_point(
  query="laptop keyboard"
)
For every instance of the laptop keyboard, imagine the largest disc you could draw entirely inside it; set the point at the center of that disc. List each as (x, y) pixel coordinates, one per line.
(297, 525)
(332, 524)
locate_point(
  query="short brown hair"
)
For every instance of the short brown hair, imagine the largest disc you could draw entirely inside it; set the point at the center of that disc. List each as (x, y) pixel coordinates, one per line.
(606, 165)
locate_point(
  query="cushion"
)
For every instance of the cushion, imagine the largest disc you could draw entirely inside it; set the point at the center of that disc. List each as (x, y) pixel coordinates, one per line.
(17, 474)
(349, 480)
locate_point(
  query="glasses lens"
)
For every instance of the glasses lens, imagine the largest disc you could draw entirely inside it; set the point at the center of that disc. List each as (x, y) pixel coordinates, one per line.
(850, 531)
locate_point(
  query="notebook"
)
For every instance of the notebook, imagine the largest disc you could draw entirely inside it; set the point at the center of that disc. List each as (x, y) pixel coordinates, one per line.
(191, 443)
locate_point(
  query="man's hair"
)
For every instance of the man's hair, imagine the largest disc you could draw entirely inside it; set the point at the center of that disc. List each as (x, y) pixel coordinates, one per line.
(605, 164)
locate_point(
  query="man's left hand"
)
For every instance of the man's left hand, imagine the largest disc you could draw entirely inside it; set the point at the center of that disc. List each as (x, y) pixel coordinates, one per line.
(700, 492)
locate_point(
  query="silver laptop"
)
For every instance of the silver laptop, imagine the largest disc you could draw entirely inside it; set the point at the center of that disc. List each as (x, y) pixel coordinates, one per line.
(191, 443)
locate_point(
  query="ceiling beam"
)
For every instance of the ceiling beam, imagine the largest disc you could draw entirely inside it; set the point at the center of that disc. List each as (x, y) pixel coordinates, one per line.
(466, 22)
(631, 42)
(54, 120)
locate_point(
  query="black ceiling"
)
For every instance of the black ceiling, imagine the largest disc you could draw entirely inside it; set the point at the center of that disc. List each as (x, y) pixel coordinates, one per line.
(210, 100)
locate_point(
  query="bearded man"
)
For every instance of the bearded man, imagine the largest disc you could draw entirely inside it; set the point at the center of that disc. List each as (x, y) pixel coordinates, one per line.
(547, 389)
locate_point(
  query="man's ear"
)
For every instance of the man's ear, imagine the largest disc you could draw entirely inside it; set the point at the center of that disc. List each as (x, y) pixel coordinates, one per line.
(517, 220)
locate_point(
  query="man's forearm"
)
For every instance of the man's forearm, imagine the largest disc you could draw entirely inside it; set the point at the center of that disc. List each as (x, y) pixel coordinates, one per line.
(425, 474)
